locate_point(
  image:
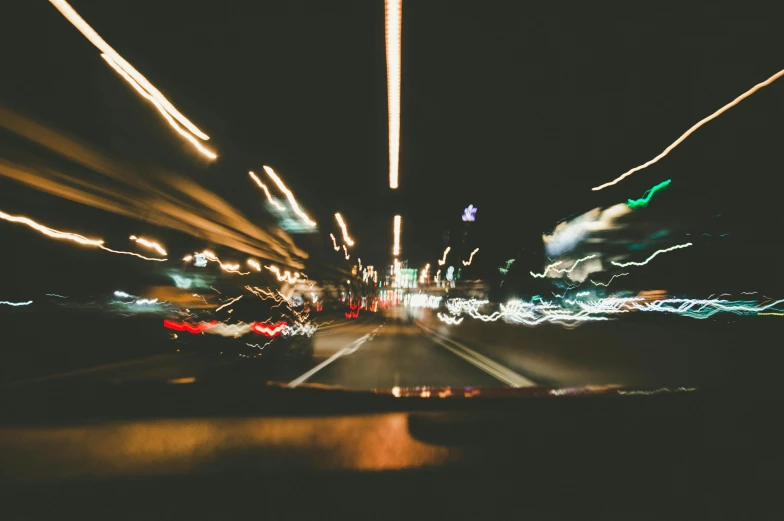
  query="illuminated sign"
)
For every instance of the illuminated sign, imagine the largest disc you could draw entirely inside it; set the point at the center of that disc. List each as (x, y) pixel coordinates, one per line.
(469, 214)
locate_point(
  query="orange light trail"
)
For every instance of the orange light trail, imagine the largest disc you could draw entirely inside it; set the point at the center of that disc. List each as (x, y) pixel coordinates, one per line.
(275, 203)
(72, 16)
(700, 123)
(51, 232)
(286, 275)
(201, 148)
(344, 229)
(396, 248)
(470, 258)
(393, 21)
(289, 196)
(149, 244)
(231, 268)
(253, 263)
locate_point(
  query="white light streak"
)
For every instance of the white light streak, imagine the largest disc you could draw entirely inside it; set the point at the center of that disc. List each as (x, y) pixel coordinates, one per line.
(345, 252)
(470, 258)
(334, 243)
(700, 123)
(442, 261)
(671, 248)
(138, 88)
(449, 320)
(149, 244)
(396, 247)
(51, 232)
(253, 263)
(271, 199)
(290, 196)
(342, 224)
(132, 253)
(229, 303)
(15, 304)
(608, 282)
(393, 16)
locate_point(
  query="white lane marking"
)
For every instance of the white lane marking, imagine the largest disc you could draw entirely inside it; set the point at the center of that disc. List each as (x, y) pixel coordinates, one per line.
(349, 349)
(480, 361)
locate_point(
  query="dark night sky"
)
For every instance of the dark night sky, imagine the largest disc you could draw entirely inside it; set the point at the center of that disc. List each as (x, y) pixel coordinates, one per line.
(519, 110)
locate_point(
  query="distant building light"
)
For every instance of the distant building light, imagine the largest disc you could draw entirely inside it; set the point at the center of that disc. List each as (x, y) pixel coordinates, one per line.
(469, 214)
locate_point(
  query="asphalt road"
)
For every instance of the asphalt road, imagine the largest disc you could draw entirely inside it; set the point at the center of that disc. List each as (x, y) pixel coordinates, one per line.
(381, 351)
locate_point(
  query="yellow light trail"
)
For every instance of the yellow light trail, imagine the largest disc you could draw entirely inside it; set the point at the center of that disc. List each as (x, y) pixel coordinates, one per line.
(700, 123)
(334, 243)
(345, 252)
(253, 263)
(149, 244)
(393, 20)
(201, 148)
(344, 229)
(51, 232)
(289, 196)
(442, 261)
(396, 247)
(470, 258)
(275, 203)
(229, 303)
(72, 16)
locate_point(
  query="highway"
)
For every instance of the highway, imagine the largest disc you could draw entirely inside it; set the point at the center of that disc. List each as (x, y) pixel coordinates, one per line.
(386, 350)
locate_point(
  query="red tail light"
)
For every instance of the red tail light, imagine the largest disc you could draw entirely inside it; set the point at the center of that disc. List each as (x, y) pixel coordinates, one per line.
(270, 330)
(190, 328)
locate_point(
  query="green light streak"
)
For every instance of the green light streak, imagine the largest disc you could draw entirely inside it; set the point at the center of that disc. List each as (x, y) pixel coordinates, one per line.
(646, 198)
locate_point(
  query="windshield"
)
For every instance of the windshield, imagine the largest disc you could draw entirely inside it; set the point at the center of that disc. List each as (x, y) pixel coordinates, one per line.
(424, 197)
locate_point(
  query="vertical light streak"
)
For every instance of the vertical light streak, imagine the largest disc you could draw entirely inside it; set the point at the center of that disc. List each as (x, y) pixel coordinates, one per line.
(396, 246)
(204, 150)
(442, 261)
(697, 125)
(72, 16)
(290, 196)
(643, 263)
(470, 258)
(275, 203)
(342, 224)
(345, 252)
(393, 19)
(334, 243)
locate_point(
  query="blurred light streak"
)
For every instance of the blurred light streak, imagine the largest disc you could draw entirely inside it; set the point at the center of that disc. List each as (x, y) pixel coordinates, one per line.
(505, 269)
(393, 19)
(177, 128)
(677, 247)
(253, 263)
(271, 199)
(773, 313)
(268, 330)
(442, 261)
(546, 270)
(123, 294)
(700, 123)
(231, 268)
(470, 258)
(51, 232)
(190, 328)
(608, 282)
(286, 275)
(146, 301)
(229, 303)
(646, 198)
(72, 16)
(345, 252)
(704, 308)
(55, 295)
(289, 196)
(452, 321)
(150, 244)
(133, 254)
(15, 304)
(344, 229)
(578, 261)
(396, 246)
(188, 258)
(334, 243)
